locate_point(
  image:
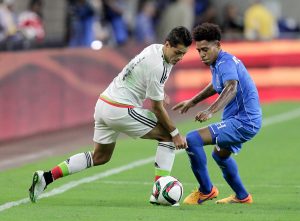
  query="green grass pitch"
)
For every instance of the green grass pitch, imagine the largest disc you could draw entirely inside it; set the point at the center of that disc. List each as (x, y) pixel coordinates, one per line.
(268, 165)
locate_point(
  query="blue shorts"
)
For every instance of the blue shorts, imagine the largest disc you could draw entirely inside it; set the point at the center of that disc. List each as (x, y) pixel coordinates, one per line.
(230, 134)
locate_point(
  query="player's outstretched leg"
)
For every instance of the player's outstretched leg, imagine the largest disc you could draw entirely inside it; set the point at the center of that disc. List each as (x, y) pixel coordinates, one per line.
(72, 165)
(164, 159)
(230, 173)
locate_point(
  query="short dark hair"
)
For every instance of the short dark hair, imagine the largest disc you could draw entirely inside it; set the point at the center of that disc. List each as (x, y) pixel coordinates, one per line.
(207, 31)
(179, 35)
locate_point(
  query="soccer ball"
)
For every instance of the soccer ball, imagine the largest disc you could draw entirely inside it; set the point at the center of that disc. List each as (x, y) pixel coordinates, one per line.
(167, 191)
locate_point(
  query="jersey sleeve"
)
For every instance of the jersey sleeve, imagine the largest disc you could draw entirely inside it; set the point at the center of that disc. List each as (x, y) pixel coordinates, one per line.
(156, 83)
(228, 71)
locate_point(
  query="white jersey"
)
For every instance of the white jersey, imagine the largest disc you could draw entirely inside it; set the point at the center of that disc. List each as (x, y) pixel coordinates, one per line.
(143, 77)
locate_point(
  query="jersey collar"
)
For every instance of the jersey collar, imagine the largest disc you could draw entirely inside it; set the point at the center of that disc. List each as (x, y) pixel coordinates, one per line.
(220, 55)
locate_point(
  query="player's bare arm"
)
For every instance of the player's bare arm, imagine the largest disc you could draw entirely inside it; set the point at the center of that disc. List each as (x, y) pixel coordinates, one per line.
(225, 97)
(184, 106)
(164, 119)
(167, 99)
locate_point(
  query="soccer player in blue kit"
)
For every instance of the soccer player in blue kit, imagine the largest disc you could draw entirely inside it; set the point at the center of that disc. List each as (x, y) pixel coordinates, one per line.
(241, 120)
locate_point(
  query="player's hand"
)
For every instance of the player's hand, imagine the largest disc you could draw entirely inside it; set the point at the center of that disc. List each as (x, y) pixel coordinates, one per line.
(183, 106)
(203, 116)
(179, 142)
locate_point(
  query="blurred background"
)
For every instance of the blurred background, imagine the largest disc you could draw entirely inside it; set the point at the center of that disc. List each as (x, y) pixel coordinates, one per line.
(30, 24)
(56, 56)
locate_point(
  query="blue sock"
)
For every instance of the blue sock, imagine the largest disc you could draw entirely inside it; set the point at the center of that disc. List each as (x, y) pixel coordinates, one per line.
(231, 175)
(198, 161)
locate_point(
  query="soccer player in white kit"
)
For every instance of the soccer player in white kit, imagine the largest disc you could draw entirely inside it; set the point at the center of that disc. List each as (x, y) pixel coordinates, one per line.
(119, 110)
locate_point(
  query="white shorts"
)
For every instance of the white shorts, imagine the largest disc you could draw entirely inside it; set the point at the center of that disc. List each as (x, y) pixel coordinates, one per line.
(110, 121)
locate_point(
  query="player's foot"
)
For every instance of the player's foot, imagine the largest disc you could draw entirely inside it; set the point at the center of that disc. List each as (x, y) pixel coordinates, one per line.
(38, 185)
(197, 197)
(233, 199)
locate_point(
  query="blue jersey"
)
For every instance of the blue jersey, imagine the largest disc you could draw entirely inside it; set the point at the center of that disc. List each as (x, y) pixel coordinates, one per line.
(245, 106)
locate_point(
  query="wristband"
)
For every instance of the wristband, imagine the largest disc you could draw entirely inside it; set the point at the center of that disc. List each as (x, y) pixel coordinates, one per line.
(174, 132)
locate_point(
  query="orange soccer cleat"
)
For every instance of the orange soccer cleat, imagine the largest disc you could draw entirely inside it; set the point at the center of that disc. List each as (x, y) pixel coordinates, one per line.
(197, 197)
(233, 199)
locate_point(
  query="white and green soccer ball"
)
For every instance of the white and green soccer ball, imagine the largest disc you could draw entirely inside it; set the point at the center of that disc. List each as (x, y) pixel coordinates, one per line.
(167, 191)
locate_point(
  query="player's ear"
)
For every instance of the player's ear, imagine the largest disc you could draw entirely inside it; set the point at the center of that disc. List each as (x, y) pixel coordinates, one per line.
(167, 44)
(218, 43)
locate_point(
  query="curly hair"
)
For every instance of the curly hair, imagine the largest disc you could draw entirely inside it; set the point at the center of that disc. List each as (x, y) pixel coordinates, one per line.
(207, 31)
(179, 35)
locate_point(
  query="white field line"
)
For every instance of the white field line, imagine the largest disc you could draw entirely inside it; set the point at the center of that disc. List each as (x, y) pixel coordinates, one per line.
(281, 117)
(267, 122)
(25, 158)
(113, 182)
(89, 179)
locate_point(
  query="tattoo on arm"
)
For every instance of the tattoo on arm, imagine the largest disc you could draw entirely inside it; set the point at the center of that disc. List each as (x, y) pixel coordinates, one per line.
(225, 97)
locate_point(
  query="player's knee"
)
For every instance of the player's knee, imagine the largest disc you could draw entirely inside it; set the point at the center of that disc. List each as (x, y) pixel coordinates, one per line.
(100, 159)
(216, 157)
(220, 160)
(194, 139)
(225, 165)
(160, 134)
(164, 138)
(221, 163)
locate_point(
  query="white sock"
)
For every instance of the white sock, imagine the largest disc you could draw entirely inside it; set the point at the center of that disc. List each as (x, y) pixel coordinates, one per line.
(164, 159)
(72, 165)
(80, 162)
